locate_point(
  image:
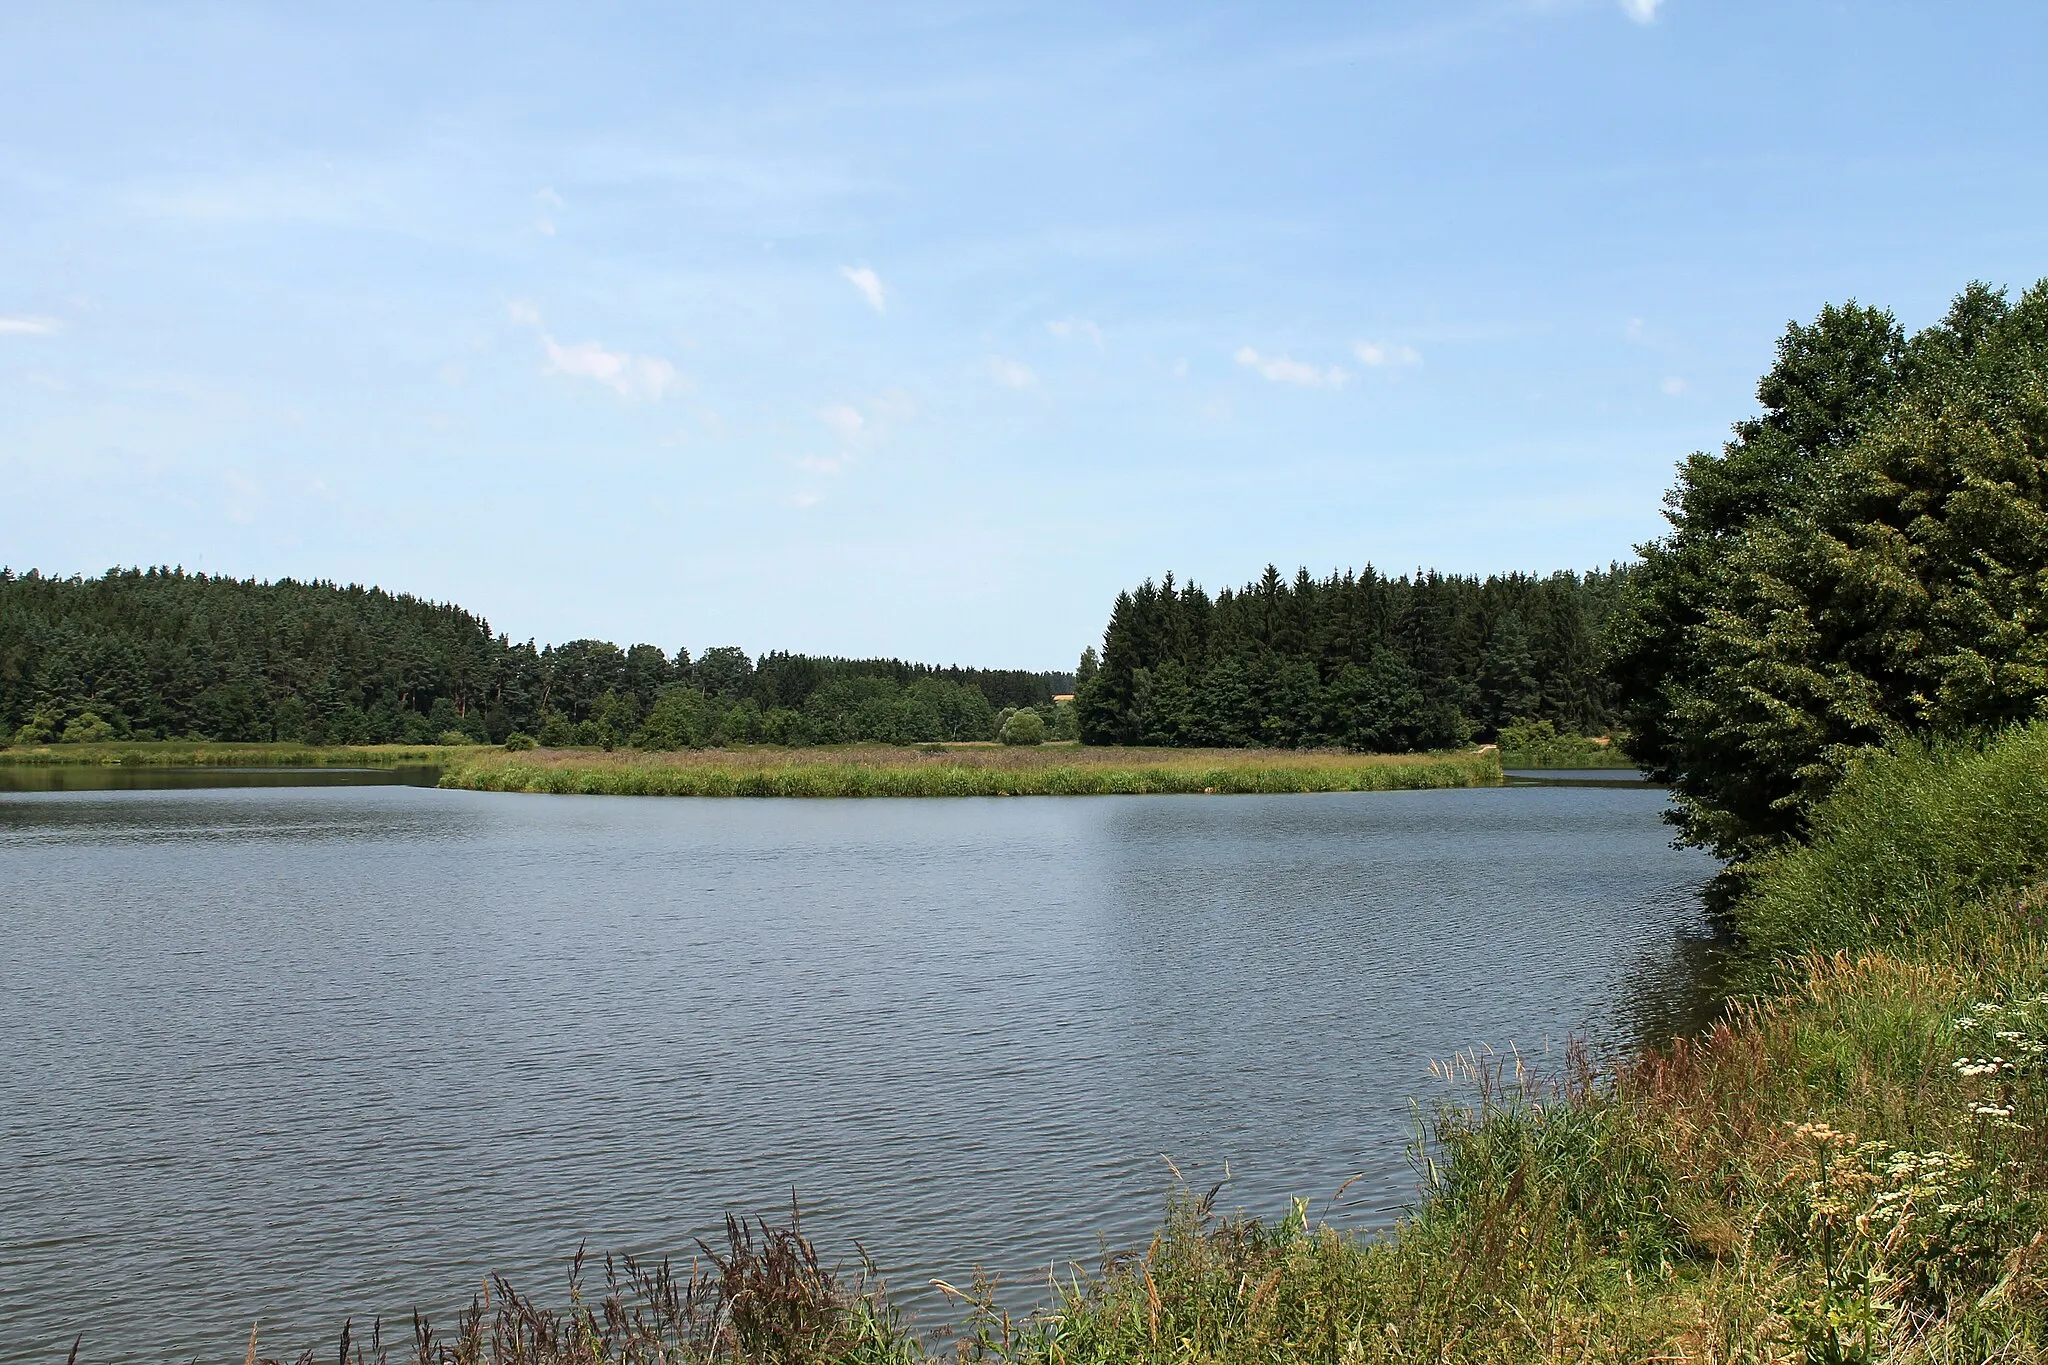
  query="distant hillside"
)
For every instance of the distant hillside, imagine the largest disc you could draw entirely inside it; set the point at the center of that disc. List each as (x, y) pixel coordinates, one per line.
(165, 654)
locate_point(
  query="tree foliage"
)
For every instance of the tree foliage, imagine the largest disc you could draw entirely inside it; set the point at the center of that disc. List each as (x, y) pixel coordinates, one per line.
(1865, 562)
(1358, 660)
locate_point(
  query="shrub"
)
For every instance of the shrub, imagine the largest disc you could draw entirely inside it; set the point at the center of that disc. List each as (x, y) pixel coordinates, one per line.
(1911, 834)
(88, 728)
(519, 740)
(1024, 727)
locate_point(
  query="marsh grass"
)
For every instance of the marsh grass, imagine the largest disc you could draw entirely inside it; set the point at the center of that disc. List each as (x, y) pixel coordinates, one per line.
(206, 754)
(960, 770)
(765, 1296)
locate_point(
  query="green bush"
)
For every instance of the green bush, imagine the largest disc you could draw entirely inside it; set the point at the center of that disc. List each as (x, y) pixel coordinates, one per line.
(1911, 834)
(1024, 727)
(88, 728)
(519, 740)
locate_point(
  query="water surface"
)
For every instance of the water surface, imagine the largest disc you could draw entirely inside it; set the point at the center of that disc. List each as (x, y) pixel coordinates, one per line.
(300, 1053)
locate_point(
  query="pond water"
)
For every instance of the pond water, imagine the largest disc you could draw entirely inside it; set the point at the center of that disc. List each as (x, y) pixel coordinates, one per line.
(299, 1053)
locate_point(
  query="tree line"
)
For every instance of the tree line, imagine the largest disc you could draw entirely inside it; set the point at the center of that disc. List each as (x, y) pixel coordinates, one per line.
(163, 654)
(1359, 660)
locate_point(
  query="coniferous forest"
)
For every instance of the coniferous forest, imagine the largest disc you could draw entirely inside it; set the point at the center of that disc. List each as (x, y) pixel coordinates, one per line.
(1357, 660)
(163, 654)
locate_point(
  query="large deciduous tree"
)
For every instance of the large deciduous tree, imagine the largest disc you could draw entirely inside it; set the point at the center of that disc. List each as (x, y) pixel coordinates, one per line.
(1866, 561)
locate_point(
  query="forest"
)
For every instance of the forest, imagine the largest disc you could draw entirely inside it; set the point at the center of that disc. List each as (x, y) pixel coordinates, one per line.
(1356, 660)
(163, 654)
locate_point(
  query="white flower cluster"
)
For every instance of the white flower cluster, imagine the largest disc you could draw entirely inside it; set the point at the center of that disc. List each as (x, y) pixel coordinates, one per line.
(2010, 1038)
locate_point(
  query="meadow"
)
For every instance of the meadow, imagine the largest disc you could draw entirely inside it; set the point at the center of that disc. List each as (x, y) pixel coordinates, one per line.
(959, 770)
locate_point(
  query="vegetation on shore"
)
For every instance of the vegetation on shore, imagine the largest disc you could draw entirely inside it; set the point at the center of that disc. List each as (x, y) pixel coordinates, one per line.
(184, 754)
(959, 770)
(1539, 744)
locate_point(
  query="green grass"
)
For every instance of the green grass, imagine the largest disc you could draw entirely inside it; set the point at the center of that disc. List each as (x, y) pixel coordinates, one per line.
(207, 754)
(1908, 840)
(959, 770)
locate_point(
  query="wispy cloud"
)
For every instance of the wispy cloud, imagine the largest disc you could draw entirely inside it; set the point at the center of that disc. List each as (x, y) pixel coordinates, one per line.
(1674, 387)
(1380, 354)
(549, 201)
(1011, 374)
(23, 326)
(844, 419)
(628, 375)
(1642, 11)
(1076, 329)
(1285, 370)
(869, 284)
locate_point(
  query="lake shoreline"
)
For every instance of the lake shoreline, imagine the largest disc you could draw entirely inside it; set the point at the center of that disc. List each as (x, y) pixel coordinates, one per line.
(868, 770)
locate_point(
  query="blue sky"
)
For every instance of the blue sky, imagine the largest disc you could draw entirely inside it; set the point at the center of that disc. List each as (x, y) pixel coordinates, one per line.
(922, 329)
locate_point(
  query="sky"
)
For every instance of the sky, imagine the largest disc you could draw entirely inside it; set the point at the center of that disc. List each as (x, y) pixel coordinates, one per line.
(922, 329)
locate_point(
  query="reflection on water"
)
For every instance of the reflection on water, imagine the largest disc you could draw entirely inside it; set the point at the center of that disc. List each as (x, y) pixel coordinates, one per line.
(1575, 777)
(299, 1053)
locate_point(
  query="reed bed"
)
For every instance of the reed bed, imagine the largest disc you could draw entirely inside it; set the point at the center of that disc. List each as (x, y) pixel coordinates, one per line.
(208, 754)
(960, 770)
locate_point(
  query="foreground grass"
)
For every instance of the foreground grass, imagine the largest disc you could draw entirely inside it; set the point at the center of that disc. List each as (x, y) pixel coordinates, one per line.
(959, 770)
(208, 754)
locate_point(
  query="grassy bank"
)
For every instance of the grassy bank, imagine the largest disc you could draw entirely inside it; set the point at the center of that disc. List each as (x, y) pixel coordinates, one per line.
(1851, 1166)
(205, 754)
(959, 770)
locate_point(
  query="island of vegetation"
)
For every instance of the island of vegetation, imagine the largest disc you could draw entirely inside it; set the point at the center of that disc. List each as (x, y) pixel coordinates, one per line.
(1838, 659)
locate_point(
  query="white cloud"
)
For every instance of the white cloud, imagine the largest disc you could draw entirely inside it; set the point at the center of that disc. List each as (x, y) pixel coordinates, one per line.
(820, 464)
(1377, 354)
(1674, 387)
(1011, 374)
(844, 419)
(869, 284)
(1284, 370)
(1076, 329)
(1642, 11)
(1634, 330)
(547, 196)
(21, 326)
(628, 375)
